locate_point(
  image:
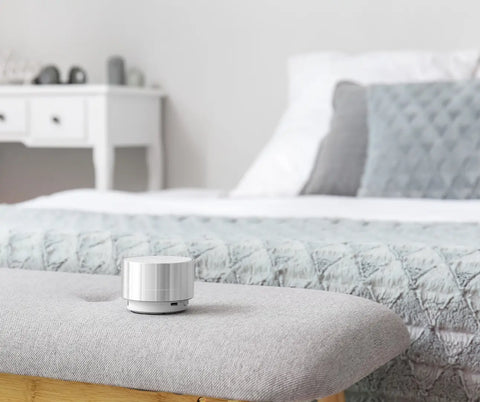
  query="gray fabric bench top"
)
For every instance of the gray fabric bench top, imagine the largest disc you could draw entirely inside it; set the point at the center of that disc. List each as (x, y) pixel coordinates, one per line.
(235, 341)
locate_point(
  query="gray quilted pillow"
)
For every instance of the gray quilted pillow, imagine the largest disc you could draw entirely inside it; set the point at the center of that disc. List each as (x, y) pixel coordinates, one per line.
(424, 141)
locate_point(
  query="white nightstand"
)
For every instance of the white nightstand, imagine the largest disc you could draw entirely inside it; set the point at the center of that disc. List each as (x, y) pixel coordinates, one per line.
(100, 117)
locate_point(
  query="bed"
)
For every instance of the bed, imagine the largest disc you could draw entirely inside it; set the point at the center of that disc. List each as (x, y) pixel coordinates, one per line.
(397, 161)
(419, 257)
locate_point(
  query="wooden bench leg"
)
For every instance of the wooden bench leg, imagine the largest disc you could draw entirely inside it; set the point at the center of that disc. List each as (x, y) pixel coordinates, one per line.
(334, 398)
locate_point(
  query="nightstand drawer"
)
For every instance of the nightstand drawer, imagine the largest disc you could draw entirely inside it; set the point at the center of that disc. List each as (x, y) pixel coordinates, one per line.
(12, 116)
(58, 118)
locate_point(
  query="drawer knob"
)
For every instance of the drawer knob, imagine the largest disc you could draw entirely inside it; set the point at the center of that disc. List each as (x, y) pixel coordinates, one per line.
(2, 117)
(56, 120)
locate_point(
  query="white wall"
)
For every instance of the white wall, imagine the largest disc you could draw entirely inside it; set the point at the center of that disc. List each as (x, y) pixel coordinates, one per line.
(222, 62)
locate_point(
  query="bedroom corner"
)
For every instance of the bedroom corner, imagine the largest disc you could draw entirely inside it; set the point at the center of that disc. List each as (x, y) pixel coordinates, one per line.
(239, 200)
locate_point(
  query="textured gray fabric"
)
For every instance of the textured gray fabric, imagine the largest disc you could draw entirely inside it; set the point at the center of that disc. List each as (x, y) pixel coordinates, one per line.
(341, 157)
(239, 342)
(424, 141)
(427, 273)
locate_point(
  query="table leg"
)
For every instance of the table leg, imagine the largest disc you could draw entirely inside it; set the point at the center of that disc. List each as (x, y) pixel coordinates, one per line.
(154, 163)
(103, 161)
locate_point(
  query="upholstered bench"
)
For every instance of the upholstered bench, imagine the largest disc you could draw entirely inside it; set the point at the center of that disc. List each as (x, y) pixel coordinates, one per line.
(63, 334)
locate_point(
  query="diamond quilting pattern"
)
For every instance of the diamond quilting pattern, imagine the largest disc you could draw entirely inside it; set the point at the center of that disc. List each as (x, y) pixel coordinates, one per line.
(424, 141)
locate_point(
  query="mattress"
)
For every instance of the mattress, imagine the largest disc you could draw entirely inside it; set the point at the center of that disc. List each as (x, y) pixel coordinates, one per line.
(213, 203)
(421, 258)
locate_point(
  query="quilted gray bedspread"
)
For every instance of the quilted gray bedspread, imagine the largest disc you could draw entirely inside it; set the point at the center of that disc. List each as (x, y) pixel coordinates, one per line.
(427, 273)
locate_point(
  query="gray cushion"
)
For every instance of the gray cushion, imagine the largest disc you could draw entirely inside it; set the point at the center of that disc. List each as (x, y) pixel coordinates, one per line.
(235, 341)
(424, 141)
(341, 157)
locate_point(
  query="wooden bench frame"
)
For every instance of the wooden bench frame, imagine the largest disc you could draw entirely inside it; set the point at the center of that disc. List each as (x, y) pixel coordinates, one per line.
(20, 388)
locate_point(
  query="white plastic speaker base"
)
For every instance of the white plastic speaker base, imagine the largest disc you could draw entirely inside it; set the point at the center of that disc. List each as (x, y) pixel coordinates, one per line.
(149, 307)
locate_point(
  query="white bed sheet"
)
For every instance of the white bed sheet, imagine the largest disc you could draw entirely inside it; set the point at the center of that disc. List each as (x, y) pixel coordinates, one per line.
(213, 203)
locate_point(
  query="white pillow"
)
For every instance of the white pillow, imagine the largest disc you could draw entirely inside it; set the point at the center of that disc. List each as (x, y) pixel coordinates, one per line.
(285, 163)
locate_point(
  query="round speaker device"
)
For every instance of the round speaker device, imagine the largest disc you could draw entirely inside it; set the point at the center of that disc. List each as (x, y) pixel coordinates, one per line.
(157, 284)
